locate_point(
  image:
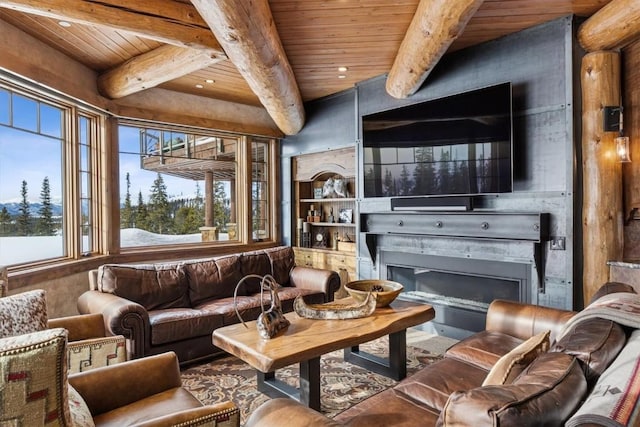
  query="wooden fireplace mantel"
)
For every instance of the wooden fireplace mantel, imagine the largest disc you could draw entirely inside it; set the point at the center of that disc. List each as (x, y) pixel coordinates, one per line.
(530, 227)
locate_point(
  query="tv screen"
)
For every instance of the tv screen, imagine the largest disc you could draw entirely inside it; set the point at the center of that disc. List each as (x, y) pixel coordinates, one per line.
(461, 144)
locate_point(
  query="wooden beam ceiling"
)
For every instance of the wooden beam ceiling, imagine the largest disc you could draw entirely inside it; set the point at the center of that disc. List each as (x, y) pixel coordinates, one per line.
(250, 39)
(435, 25)
(177, 24)
(153, 68)
(612, 27)
(166, 21)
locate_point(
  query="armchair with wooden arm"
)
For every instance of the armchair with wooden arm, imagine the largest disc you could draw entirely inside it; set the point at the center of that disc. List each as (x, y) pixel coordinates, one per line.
(89, 346)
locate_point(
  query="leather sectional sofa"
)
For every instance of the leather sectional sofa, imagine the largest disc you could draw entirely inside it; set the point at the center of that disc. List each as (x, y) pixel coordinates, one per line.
(176, 306)
(575, 373)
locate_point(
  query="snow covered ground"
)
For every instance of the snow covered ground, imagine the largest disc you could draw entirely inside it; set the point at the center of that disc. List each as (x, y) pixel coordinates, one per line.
(16, 250)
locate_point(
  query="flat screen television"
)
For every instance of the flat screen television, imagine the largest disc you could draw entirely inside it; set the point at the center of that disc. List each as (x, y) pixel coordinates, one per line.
(457, 145)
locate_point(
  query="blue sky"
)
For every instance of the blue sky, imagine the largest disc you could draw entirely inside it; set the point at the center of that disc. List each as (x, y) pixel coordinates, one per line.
(142, 180)
(33, 152)
(27, 157)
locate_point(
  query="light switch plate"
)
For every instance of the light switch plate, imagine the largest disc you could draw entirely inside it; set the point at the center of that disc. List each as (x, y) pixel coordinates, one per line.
(557, 243)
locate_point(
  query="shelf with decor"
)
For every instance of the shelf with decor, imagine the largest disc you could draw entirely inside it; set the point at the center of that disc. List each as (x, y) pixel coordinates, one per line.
(324, 209)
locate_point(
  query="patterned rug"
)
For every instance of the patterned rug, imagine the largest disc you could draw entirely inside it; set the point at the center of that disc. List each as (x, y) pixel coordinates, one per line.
(342, 384)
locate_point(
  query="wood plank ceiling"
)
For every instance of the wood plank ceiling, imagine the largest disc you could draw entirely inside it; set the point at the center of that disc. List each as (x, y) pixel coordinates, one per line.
(318, 37)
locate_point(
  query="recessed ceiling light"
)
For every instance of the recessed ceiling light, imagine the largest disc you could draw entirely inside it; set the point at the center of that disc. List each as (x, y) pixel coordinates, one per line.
(199, 86)
(342, 76)
(342, 69)
(210, 81)
(64, 24)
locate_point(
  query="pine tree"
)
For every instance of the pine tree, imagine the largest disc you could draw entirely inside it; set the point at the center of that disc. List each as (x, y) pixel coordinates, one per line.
(5, 222)
(46, 226)
(187, 220)
(141, 214)
(444, 172)
(389, 184)
(24, 217)
(159, 216)
(220, 217)
(405, 182)
(127, 215)
(424, 176)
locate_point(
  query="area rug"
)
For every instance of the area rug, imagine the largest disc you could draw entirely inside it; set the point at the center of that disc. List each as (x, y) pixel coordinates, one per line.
(342, 384)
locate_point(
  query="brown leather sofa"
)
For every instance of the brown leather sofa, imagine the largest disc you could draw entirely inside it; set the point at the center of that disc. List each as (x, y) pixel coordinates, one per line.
(176, 306)
(450, 392)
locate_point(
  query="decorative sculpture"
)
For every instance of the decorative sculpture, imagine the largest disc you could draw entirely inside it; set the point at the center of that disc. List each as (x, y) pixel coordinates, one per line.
(335, 310)
(270, 321)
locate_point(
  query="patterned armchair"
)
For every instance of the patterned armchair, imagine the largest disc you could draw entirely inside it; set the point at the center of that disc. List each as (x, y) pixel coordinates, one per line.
(35, 389)
(88, 346)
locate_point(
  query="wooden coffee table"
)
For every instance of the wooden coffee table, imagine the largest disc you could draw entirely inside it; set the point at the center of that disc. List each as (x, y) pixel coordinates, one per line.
(305, 340)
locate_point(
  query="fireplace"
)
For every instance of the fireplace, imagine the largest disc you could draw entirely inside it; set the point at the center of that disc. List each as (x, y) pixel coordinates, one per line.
(459, 262)
(459, 289)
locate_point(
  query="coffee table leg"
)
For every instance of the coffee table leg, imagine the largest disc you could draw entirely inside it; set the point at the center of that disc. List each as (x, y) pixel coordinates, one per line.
(395, 366)
(310, 383)
(309, 392)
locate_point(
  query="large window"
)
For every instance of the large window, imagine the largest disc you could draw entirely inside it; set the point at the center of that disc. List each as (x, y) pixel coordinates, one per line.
(260, 189)
(45, 176)
(177, 186)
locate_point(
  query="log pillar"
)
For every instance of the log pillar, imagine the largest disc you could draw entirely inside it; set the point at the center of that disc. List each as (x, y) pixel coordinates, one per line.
(208, 199)
(602, 218)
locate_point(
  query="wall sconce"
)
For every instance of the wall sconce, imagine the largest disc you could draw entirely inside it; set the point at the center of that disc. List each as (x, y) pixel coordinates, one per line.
(612, 121)
(622, 149)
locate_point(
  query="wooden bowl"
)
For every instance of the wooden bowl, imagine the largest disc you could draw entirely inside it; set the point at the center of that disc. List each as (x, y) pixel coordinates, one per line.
(385, 291)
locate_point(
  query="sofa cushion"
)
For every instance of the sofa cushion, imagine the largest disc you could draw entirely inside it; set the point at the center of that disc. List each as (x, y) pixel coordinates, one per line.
(384, 409)
(431, 386)
(176, 324)
(282, 260)
(595, 343)
(255, 263)
(511, 364)
(230, 271)
(546, 393)
(249, 305)
(484, 348)
(80, 414)
(23, 313)
(616, 395)
(33, 385)
(154, 286)
(204, 281)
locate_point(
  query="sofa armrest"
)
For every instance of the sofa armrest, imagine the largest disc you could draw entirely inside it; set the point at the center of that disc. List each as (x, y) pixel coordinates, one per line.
(121, 317)
(224, 414)
(287, 412)
(110, 387)
(525, 320)
(315, 279)
(80, 327)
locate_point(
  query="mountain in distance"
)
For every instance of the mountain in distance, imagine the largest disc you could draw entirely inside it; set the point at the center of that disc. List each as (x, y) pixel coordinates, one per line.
(14, 208)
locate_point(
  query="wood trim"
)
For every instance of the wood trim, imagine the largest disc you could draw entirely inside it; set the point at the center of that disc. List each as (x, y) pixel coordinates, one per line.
(167, 106)
(602, 174)
(47, 66)
(435, 25)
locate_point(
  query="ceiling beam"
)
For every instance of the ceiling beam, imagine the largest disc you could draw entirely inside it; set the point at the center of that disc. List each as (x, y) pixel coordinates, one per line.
(154, 68)
(435, 25)
(166, 21)
(248, 35)
(612, 27)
